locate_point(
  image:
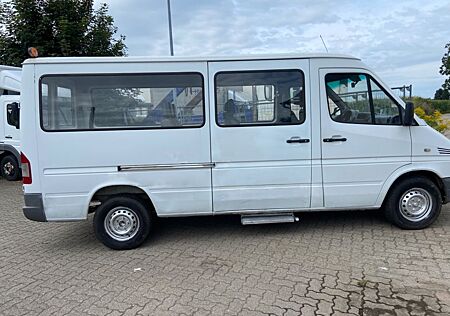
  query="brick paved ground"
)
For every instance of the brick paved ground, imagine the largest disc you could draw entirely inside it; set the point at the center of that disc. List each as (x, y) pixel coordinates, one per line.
(347, 263)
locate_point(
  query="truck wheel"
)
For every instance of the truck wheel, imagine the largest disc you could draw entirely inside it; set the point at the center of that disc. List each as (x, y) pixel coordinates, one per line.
(10, 168)
(413, 203)
(122, 223)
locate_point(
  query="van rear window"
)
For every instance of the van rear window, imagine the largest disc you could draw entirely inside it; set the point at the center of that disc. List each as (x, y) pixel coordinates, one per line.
(130, 101)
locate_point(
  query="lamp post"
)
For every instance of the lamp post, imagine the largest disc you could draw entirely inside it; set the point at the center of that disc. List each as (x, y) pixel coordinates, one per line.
(169, 15)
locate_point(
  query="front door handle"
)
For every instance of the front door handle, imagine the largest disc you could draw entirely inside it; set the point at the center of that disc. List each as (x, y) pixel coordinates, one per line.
(8, 136)
(337, 138)
(297, 140)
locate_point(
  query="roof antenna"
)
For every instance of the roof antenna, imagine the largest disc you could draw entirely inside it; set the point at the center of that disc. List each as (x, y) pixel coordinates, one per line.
(323, 42)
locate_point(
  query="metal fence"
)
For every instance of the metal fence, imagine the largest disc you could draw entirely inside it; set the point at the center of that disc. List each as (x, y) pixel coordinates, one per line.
(404, 91)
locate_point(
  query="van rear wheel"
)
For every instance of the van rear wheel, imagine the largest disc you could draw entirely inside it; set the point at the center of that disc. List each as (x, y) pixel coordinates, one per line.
(9, 168)
(122, 223)
(413, 203)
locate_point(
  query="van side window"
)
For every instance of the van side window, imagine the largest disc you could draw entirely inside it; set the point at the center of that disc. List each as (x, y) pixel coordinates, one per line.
(59, 108)
(348, 98)
(130, 101)
(252, 98)
(386, 110)
(358, 99)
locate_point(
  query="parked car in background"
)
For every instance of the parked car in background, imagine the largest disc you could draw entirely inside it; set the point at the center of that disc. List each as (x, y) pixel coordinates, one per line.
(10, 84)
(259, 136)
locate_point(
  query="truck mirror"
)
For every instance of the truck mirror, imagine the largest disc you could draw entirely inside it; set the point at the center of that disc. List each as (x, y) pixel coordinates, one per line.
(408, 117)
(13, 114)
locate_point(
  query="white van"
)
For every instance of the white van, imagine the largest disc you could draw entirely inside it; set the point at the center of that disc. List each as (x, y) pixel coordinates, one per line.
(10, 78)
(264, 137)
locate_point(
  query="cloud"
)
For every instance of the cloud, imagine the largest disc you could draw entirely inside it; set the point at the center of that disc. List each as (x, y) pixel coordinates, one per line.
(403, 40)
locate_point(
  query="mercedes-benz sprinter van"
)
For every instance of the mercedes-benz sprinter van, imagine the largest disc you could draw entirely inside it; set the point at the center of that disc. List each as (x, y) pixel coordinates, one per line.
(133, 138)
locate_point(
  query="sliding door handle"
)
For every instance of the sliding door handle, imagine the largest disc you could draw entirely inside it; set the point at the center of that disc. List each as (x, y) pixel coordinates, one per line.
(335, 139)
(297, 140)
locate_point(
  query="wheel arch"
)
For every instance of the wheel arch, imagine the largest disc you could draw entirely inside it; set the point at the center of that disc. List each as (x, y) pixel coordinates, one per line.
(101, 193)
(6, 150)
(399, 176)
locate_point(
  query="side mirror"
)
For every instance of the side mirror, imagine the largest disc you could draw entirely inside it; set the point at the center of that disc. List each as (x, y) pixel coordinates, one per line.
(13, 114)
(408, 117)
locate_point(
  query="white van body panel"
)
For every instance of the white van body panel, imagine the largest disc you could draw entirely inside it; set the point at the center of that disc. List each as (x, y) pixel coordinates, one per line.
(354, 171)
(438, 168)
(217, 170)
(255, 169)
(29, 126)
(70, 176)
(429, 145)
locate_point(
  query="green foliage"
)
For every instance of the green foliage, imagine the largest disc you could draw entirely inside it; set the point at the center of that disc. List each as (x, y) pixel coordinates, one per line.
(56, 28)
(433, 119)
(445, 67)
(431, 111)
(430, 105)
(444, 93)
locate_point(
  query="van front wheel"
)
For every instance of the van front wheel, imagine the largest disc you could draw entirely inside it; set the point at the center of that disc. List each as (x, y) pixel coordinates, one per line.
(413, 203)
(122, 223)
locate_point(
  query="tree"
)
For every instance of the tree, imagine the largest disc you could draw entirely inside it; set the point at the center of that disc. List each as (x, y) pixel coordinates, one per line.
(444, 93)
(57, 28)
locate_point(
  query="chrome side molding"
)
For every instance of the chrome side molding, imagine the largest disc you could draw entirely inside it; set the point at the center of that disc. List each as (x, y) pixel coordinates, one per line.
(166, 167)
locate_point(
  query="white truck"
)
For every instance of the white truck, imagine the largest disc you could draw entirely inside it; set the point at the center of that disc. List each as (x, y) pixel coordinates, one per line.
(10, 84)
(261, 136)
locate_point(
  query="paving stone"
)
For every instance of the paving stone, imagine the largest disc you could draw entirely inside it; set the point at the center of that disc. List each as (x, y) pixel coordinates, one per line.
(342, 263)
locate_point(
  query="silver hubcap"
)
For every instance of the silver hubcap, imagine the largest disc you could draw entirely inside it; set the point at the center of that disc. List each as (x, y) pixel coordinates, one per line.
(8, 168)
(416, 204)
(121, 223)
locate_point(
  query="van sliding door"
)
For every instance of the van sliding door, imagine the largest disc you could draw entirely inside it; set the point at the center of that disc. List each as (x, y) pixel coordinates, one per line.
(261, 138)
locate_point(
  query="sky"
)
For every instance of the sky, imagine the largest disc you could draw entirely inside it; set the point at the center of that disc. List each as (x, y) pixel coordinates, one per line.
(402, 41)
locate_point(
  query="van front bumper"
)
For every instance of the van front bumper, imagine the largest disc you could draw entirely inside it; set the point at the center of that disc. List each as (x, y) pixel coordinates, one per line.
(34, 208)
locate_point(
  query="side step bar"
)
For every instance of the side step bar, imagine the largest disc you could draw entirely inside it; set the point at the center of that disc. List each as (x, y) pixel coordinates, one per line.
(273, 218)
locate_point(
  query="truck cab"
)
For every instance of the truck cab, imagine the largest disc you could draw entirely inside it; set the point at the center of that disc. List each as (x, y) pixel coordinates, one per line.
(10, 84)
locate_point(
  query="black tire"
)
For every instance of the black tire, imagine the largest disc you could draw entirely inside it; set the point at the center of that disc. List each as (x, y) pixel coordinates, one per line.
(9, 168)
(403, 219)
(130, 207)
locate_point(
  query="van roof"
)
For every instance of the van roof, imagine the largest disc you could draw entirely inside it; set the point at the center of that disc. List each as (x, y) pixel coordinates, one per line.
(79, 60)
